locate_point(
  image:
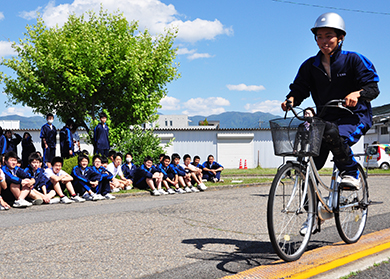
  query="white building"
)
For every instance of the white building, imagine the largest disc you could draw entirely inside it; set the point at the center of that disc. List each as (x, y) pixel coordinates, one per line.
(379, 132)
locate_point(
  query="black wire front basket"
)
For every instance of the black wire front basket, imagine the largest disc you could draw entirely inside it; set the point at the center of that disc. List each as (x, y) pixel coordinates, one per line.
(293, 137)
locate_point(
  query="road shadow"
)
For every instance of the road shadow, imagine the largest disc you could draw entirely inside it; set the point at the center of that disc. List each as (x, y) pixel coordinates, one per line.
(243, 255)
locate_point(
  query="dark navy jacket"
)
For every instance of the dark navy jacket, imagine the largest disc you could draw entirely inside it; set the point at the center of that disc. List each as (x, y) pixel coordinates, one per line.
(84, 177)
(179, 170)
(3, 144)
(39, 176)
(142, 173)
(12, 143)
(49, 135)
(16, 176)
(214, 165)
(100, 137)
(166, 170)
(128, 173)
(104, 173)
(66, 141)
(350, 71)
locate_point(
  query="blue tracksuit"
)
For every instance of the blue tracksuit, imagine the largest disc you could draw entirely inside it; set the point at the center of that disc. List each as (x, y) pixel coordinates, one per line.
(167, 171)
(140, 176)
(208, 174)
(3, 144)
(81, 178)
(12, 143)
(40, 178)
(128, 172)
(179, 170)
(49, 134)
(100, 138)
(14, 176)
(66, 142)
(104, 182)
(350, 72)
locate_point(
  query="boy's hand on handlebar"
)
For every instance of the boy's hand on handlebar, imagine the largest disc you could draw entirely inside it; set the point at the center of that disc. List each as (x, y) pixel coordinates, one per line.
(284, 105)
(351, 99)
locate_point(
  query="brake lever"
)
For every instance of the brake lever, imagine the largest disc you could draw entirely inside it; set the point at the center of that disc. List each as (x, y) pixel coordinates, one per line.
(340, 105)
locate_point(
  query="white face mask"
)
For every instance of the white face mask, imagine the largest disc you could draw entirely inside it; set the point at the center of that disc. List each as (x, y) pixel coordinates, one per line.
(128, 160)
(50, 121)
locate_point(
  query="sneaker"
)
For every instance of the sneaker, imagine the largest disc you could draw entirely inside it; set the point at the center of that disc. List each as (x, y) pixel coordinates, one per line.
(22, 203)
(100, 197)
(109, 197)
(193, 189)
(305, 226)
(54, 201)
(171, 191)
(66, 200)
(215, 180)
(87, 197)
(187, 189)
(77, 199)
(221, 180)
(202, 187)
(349, 183)
(162, 192)
(37, 202)
(95, 197)
(128, 188)
(180, 191)
(115, 190)
(156, 193)
(3, 208)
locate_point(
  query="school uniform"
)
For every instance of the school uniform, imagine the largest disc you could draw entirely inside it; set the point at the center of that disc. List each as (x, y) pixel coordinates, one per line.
(66, 142)
(13, 142)
(40, 179)
(82, 177)
(3, 144)
(104, 182)
(140, 176)
(100, 138)
(208, 174)
(14, 176)
(49, 133)
(168, 171)
(128, 172)
(179, 169)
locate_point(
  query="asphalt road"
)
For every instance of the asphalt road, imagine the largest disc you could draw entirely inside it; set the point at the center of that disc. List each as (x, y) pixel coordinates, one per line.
(198, 235)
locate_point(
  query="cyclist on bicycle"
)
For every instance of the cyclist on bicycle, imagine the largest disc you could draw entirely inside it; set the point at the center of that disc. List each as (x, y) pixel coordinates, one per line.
(337, 74)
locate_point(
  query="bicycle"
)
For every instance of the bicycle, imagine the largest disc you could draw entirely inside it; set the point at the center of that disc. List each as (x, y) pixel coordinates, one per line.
(295, 189)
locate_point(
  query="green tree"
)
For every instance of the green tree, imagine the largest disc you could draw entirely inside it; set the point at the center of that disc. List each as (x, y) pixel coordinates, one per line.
(93, 62)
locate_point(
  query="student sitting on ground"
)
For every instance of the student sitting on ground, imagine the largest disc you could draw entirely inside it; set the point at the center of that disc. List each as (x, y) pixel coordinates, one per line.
(212, 170)
(3, 185)
(147, 177)
(184, 177)
(196, 173)
(59, 180)
(19, 184)
(47, 194)
(170, 177)
(128, 168)
(103, 188)
(85, 179)
(116, 169)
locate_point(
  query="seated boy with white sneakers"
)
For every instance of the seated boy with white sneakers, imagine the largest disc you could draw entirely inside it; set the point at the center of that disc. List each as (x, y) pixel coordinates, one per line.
(59, 180)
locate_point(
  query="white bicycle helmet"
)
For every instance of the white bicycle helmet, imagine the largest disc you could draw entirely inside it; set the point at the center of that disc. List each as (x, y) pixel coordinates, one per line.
(330, 20)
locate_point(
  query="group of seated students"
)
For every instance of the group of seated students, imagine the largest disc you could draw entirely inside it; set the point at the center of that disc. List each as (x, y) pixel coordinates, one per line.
(36, 185)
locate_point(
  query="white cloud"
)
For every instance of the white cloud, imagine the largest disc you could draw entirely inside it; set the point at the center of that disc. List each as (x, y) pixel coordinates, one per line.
(151, 14)
(31, 14)
(170, 103)
(192, 54)
(6, 49)
(1, 15)
(271, 106)
(201, 106)
(21, 111)
(244, 87)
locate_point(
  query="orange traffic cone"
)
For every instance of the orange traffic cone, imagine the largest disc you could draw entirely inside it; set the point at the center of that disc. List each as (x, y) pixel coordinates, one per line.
(245, 166)
(240, 167)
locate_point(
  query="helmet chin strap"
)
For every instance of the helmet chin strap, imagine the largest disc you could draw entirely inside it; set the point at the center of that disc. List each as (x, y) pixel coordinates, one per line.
(339, 45)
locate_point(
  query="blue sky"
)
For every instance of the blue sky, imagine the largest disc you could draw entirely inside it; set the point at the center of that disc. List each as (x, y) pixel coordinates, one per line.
(233, 55)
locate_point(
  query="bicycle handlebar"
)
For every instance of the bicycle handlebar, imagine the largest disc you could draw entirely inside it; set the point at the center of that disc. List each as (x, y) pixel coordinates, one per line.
(337, 103)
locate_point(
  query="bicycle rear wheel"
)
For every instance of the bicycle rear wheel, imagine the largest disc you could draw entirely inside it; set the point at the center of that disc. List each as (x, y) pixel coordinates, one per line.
(351, 214)
(288, 208)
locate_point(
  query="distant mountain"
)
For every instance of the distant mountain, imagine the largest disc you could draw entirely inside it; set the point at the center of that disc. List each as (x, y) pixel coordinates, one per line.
(32, 122)
(234, 119)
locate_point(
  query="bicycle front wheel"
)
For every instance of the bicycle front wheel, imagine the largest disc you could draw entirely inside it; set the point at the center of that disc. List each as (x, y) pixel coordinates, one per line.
(288, 209)
(351, 214)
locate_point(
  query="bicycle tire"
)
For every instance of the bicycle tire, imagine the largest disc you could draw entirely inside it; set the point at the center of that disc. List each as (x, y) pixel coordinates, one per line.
(284, 223)
(351, 220)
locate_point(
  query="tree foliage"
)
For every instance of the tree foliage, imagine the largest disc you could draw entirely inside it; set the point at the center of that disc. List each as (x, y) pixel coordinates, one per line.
(93, 62)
